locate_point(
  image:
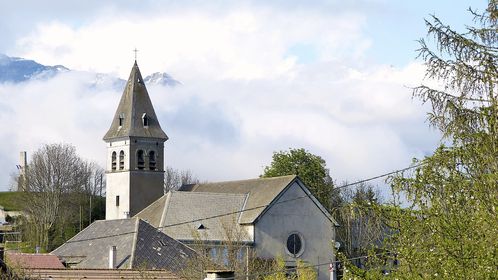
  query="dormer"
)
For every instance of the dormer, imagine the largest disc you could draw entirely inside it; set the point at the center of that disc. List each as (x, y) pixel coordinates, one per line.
(145, 120)
(121, 119)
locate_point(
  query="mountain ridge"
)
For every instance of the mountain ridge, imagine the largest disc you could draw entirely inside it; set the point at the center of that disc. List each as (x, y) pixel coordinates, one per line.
(17, 70)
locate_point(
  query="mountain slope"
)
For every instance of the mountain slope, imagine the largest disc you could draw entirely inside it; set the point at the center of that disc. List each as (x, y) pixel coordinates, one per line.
(17, 70)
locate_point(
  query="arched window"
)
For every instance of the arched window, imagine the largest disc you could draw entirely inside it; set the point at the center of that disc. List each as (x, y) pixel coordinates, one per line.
(152, 160)
(140, 160)
(145, 120)
(113, 161)
(121, 160)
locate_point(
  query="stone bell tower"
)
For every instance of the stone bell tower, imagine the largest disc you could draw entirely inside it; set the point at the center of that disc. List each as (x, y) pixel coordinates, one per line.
(135, 152)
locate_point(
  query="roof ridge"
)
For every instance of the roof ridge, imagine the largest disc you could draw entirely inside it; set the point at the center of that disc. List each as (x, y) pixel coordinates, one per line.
(212, 193)
(135, 240)
(252, 179)
(165, 207)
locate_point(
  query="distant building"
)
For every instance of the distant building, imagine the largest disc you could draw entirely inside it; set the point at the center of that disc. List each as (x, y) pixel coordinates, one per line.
(33, 261)
(22, 166)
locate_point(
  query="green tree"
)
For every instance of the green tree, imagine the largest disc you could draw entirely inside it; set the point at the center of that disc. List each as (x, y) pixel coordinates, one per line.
(450, 229)
(305, 271)
(310, 168)
(278, 270)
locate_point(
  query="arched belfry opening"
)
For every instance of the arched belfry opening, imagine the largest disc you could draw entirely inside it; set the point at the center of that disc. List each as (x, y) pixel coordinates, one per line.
(152, 160)
(140, 160)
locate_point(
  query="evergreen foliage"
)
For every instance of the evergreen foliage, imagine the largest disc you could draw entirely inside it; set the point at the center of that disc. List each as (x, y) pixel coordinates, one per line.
(450, 229)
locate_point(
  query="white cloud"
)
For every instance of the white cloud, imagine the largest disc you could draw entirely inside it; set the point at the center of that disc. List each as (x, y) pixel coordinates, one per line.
(243, 44)
(243, 96)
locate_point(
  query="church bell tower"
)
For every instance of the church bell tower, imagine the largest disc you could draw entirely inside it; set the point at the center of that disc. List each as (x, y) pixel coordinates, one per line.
(135, 152)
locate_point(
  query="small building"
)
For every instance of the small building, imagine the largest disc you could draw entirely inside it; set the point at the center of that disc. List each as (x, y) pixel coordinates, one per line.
(24, 261)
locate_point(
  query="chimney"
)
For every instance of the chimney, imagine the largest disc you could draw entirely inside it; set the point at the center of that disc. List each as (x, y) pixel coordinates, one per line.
(219, 275)
(23, 163)
(112, 257)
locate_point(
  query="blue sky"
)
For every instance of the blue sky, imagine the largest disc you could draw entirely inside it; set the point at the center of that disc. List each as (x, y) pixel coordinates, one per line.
(258, 77)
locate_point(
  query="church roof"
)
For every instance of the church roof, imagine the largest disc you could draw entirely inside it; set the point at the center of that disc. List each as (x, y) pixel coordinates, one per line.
(134, 105)
(179, 223)
(261, 192)
(137, 244)
(182, 214)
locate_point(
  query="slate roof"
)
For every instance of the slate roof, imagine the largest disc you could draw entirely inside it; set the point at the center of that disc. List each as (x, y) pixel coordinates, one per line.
(33, 261)
(261, 192)
(180, 213)
(99, 274)
(138, 244)
(179, 207)
(134, 103)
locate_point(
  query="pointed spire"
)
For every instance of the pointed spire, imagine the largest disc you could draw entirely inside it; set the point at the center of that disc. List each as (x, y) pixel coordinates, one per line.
(135, 116)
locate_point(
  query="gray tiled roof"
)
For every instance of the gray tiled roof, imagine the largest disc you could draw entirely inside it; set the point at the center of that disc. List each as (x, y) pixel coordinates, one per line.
(196, 202)
(180, 207)
(153, 213)
(156, 250)
(261, 192)
(139, 245)
(134, 103)
(187, 206)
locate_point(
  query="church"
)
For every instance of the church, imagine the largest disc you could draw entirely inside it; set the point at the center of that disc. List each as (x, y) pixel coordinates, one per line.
(273, 217)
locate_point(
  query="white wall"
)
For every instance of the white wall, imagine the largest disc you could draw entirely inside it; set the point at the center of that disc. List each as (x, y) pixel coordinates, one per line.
(136, 188)
(117, 184)
(302, 216)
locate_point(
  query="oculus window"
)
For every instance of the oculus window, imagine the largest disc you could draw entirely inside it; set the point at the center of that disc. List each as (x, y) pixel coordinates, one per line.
(295, 244)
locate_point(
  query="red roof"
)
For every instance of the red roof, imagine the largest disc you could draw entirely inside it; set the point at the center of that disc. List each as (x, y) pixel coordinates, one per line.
(21, 260)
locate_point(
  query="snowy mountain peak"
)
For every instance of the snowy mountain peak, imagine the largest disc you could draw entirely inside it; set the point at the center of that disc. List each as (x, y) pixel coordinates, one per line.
(16, 69)
(161, 79)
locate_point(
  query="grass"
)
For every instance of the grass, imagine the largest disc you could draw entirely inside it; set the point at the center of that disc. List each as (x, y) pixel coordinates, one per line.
(11, 201)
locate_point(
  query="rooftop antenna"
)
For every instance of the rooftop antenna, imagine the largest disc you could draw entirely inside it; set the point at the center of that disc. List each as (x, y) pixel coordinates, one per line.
(135, 51)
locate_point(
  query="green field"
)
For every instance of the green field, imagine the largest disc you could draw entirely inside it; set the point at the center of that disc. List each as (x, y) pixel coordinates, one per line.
(11, 201)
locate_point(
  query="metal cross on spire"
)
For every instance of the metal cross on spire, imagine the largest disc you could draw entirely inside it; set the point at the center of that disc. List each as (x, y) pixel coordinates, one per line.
(135, 51)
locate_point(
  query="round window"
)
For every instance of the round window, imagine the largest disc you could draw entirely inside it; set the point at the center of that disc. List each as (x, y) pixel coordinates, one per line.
(295, 244)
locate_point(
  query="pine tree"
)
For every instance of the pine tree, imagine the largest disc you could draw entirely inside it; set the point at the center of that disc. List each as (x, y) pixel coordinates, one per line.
(450, 231)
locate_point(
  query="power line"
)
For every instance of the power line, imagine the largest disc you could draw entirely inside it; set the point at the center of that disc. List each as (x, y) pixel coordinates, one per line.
(258, 207)
(293, 199)
(310, 266)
